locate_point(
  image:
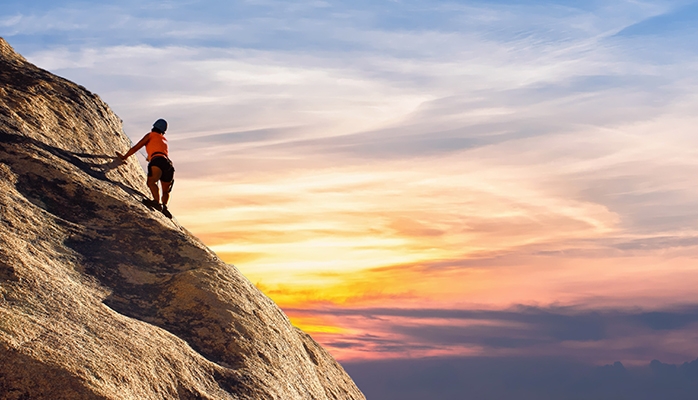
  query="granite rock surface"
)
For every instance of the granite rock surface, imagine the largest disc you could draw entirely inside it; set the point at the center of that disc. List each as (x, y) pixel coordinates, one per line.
(102, 298)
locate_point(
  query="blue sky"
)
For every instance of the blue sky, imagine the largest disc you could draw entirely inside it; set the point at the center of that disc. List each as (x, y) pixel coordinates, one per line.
(368, 64)
(543, 149)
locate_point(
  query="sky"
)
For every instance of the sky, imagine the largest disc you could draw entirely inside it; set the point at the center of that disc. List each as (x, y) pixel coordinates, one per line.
(426, 186)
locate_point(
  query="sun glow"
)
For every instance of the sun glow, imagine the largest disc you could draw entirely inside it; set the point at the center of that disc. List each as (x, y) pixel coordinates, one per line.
(359, 233)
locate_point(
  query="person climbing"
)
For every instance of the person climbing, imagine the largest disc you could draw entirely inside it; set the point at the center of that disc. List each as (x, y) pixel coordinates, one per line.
(160, 167)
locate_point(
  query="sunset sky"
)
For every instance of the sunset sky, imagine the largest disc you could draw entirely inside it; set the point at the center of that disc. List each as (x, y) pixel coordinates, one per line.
(418, 180)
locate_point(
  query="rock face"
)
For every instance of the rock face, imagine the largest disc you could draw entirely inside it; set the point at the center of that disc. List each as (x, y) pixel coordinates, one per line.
(101, 298)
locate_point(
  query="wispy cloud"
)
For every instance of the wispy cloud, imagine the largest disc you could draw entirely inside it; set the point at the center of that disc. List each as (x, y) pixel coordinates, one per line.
(588, 335)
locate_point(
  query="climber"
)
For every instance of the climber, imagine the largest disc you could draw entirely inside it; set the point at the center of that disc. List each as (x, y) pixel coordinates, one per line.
(159, 165)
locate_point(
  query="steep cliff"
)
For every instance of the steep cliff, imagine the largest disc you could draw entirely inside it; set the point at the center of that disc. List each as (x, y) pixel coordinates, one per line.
(101, 298)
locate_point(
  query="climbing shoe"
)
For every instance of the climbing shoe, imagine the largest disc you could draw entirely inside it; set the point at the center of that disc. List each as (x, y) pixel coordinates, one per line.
(167, 212)
(152, 204)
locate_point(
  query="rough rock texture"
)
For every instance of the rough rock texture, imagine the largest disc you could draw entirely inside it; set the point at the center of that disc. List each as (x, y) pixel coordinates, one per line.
(101, 298)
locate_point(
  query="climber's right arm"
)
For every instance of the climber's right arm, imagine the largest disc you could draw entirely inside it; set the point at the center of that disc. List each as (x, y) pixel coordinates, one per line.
(135, 148)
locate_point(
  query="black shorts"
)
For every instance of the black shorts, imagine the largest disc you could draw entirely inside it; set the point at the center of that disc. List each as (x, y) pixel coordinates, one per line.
(165, 166)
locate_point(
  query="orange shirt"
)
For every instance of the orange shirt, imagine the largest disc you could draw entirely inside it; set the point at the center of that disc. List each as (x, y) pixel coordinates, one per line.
(157, 143)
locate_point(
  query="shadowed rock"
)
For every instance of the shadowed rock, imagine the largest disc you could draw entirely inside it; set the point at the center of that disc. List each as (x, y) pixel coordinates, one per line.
(101, 298)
